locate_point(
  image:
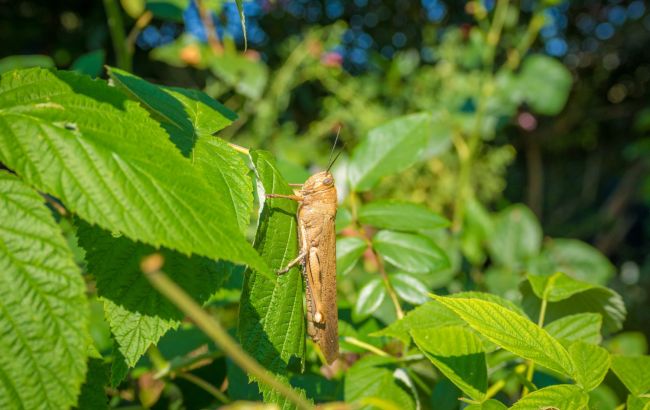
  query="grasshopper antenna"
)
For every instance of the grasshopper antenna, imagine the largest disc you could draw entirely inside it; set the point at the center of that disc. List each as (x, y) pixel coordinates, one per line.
(330, 160)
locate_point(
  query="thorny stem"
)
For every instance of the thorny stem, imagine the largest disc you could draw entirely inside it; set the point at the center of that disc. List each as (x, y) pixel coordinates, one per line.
(212, 328)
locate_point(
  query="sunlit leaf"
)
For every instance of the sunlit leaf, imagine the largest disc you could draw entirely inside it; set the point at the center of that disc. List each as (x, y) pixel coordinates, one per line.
(410, 252)
(458, 353)
(591, 363)
(400, 216)
(561, 396)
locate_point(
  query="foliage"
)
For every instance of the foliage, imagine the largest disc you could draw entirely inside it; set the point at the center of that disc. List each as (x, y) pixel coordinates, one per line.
(443, 302)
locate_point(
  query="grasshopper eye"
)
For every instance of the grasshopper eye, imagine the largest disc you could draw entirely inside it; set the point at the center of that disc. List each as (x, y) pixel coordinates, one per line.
(327, 181)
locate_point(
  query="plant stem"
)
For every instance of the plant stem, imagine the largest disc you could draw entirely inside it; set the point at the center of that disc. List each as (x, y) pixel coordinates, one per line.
(389, 288)
(116, 27)
(212, 328)
(208, 26)
(140, 23)
(531, 364)
(467, 149)
(218, 394)
(364, 345)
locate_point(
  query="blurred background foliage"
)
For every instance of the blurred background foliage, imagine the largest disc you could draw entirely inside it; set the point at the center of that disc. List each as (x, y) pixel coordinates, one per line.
(537, 102)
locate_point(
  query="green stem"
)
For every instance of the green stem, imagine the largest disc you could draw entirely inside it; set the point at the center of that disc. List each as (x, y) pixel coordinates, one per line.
(218, 394)
(389, 287)
(213, 329)
(467, 149)
(494, 34)
(116, 27)
(364, 345)
(531, 364)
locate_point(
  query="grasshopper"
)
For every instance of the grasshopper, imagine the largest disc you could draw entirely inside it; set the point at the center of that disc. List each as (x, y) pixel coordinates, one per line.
(317, 241)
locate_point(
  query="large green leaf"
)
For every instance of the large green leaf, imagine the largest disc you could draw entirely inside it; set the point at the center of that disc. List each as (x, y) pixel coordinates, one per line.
(43, 308)
(410, 252)
(591, 363)
(575, 258)
(191, 117)
(410, 288)
(271, 319)
(138, 314)
(596, 299)
(348, 252)
(93, 395)
(429, 315)
(581, 326)
(389, 148)
(372, 379)
(634, 372)
(108, 161)
(371, 296)
(400, 216)
(556, 287)
(511, 331)
(546, 84)
(560, 396)
(435, 314)
(458, 353)
(516, 236)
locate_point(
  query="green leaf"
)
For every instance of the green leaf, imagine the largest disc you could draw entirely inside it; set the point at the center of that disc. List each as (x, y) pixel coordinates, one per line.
(343, 219)
(92, 394)
(108, 161)
(410, 252)
(371, 296)
(400, 216)
(246, 76)
(581, 326)
(556, 287)
(24, 61)
(43, 307)
(191, 117)
(458, 353)
(372, 379)
(168, 9)
(579, 260)
(242, 19)
(389, 148)
(634, 372)
(435, 314)
(511, 331)
(546, 84)
(638, 403)
(348, 252)
(596, 299)
(487, 405)
(628, 344)
(138, 314)
(429, 315)
(591, 363)
(516, 236)
(271, 318)
(560, 396)
(410, 288)
(90, 63)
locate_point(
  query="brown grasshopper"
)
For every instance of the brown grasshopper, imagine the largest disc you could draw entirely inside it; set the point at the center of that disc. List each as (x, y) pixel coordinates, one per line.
(317, 240)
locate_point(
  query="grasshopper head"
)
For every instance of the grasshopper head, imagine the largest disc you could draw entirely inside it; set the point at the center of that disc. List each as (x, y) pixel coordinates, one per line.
(321, 181)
